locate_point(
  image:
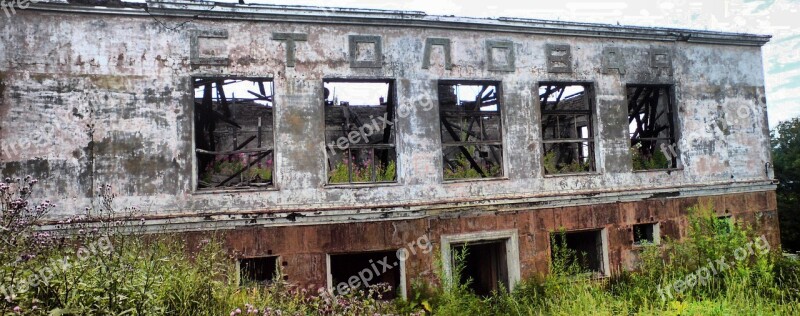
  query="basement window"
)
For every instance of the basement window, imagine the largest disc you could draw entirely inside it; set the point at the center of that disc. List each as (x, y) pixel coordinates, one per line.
(360, 131)
(651, 124)
(482, 266)
(471, 129)
(258, 270)
(233, 123)
(359, 271)
(567, 127)
(579, 252)
(645, 234)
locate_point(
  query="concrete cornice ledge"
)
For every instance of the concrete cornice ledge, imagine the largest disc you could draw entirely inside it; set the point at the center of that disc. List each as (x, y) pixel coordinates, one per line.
(207, 10)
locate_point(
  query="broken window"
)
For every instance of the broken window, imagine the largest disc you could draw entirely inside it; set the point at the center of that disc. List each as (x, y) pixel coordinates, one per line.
(359, 271)
(651, 125)
(578, 252)
(233, 120)
(471, 129)
(258, 270)
(482, 266)
(567, 127)
(644, 234)
(359, 131)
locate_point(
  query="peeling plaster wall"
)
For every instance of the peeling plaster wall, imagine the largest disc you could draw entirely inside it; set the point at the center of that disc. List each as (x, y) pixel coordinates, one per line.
(89, 100)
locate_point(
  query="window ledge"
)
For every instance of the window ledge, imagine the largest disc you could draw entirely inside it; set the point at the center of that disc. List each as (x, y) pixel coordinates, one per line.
(228, 191)
(643, 246)
(573, 174)
(667, 170)
(362, 185)
(455, 181)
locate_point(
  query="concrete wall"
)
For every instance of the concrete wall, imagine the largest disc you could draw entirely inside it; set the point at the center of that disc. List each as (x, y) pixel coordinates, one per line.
(89, 100)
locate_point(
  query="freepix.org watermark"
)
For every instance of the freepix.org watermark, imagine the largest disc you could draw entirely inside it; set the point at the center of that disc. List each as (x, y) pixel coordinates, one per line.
(102, 246)
(376, 124)
(703, 275)
(376, 269)
(10, 6)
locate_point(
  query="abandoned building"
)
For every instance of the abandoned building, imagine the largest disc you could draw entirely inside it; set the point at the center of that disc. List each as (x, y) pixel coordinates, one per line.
(358, 146)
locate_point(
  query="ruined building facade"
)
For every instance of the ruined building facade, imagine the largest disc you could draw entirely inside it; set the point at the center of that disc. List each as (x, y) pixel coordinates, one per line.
(320, 139)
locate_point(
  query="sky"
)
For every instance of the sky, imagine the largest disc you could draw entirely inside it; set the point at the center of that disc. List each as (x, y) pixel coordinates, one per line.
(779, 18)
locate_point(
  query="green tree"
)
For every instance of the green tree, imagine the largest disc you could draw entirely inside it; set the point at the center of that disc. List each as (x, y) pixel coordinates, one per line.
(786, 157)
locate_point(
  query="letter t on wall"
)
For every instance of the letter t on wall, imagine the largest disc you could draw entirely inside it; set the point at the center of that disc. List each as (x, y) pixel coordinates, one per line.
(291, 47)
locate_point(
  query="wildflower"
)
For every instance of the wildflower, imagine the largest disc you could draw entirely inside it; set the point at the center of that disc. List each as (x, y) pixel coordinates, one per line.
(17, 310)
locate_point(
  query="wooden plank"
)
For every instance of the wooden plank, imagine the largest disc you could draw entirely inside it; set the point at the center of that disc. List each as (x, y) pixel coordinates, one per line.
(233, 152)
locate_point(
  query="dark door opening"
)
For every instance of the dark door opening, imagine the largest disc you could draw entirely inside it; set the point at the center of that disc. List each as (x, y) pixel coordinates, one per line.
(585, 249)
(484, 266)
(358, 271)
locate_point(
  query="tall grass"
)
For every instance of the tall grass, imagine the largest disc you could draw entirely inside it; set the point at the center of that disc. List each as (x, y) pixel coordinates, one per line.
(159, 275)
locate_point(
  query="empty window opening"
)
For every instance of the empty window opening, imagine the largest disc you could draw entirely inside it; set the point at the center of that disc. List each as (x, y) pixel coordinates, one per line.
(359, 271)
(567, 127)
(233, 132)
(482, 266)
(645, 234)
(578, 252)
(258, 270)
(360, 131)
(651, 124)
(471, 129)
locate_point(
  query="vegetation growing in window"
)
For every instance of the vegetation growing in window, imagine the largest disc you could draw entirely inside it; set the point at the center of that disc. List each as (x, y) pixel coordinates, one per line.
(460, 167)
(552, 166)
(655, 160)
(232, 166)
(363, 172)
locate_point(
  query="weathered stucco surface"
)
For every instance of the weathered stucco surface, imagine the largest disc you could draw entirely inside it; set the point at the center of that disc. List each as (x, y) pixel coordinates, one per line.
(91, 99)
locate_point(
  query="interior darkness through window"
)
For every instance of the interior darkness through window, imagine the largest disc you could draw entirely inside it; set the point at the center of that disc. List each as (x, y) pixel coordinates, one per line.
(367, 269)
(583, 249)
(258, 270)
(644, 234)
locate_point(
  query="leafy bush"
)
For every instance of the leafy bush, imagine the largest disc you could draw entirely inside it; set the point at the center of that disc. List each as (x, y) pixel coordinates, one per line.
(461, 168)
(654, 161)
(552, 166)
